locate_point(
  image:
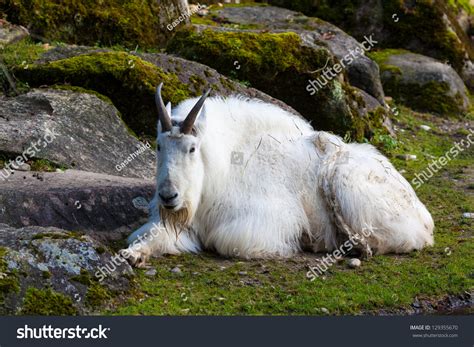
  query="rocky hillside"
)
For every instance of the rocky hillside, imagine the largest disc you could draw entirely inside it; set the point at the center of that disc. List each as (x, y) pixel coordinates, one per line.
(77, 156)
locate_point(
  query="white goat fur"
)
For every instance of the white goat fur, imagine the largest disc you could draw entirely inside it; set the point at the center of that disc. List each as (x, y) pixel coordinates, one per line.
(296, 188)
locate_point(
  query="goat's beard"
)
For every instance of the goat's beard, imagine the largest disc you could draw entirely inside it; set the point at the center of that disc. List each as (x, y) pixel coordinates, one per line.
(176, 221)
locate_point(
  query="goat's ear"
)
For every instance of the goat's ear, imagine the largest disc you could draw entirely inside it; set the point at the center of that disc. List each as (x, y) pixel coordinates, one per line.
(168, 108)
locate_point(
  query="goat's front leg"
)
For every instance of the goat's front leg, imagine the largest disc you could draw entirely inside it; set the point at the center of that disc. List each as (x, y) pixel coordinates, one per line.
(153, 239)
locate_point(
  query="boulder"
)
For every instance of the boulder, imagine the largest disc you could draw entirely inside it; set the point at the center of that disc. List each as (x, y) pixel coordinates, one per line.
(422, 83)
(362, 71)
(10, 33)
(130, 79)
(49, 271)
(101, 204)
(427, 27)
(132, 23)
(283, 65)
(72, 129)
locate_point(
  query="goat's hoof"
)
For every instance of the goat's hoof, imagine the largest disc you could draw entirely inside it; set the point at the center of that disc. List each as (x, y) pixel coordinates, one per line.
(135, 258)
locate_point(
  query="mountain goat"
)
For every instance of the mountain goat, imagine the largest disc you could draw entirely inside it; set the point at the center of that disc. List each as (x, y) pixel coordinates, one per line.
(248, 179)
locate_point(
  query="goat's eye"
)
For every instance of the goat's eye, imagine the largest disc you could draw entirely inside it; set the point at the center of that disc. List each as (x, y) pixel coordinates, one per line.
(192, 150)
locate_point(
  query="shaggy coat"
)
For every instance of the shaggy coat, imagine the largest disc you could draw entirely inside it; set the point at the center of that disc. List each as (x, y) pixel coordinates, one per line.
(255, 181)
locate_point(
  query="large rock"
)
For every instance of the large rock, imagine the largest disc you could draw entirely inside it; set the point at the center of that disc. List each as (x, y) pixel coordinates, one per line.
(194, 75)
(130, 80)
(49, 271)
(10, 33)
(282, 65)
(113, 22)
(362, 71)
(427, 27)
(422, 83)
(76, 130)
(75, 200)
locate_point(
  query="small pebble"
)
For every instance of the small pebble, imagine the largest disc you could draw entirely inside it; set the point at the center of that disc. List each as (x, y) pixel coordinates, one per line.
(468, 215)
(242, 273)
(406, 156)
(324, 310)
(176, 270)
(151, 272)
(425, 127)
(354, 262)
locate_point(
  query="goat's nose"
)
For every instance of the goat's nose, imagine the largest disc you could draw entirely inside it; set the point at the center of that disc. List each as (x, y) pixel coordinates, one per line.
(168, 197)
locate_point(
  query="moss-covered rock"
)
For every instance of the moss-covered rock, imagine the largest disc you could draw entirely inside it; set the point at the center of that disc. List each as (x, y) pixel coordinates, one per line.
(8, 280)
(361, 72)
(422, 83)
(127, 80)
(428, 27)
(114, 22)
(279, 64)
(48, 271)
(47, 302)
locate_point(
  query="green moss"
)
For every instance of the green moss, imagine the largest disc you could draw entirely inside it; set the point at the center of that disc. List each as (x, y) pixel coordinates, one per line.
(211, 285)
(59, 236)
(465, 5)
(47, 302)
(420, 25)
(45, 165)
(381, 57)
(267, 53)
(36, 164)
(8, 281)
(22, 53)
(275, 63)
(198, 82)
(84, 278)
(19, 54)
(128, 23)
(128, 81)
(429, 97)
(97, 295)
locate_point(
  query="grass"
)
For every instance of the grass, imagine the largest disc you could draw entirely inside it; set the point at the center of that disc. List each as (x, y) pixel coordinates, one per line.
(210, 285)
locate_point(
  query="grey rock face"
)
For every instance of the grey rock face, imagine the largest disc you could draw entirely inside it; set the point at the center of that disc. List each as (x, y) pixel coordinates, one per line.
(424, 84)
(10, 33)
(362, 72)
(76, 130)
(57, 260)
(74, 200)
